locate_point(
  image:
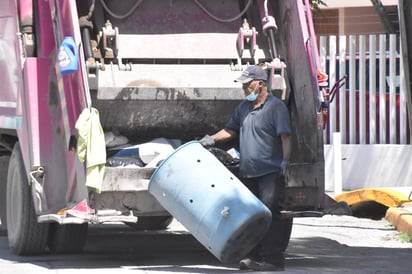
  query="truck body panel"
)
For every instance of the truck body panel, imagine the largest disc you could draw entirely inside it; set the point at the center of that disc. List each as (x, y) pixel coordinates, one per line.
(10, 66)
(152, 69)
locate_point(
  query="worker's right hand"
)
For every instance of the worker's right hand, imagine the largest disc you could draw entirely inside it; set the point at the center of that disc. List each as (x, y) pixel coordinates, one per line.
(284, 166)
(207, 141)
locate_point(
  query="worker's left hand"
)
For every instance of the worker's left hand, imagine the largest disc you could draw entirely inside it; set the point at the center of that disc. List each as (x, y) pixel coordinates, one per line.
(207, 141)
(284, 166)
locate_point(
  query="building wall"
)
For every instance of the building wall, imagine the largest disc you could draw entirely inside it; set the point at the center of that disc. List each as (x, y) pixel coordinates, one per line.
(357, 3)
(351, 20)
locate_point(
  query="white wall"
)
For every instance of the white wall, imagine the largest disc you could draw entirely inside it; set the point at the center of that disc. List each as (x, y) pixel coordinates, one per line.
(376, 166)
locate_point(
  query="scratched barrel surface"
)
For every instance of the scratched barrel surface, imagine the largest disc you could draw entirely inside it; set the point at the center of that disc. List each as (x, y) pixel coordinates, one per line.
(205, 197)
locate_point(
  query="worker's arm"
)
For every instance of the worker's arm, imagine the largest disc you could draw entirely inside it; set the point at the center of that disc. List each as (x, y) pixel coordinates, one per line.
(286, 146)
(220, 136)
(287, 150)
(224, 135)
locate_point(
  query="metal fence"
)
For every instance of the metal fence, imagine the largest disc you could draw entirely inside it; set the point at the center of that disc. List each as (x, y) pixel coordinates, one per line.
(370, 108)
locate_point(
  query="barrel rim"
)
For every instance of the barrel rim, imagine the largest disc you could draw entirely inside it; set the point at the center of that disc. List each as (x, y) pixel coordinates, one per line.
(171, 156)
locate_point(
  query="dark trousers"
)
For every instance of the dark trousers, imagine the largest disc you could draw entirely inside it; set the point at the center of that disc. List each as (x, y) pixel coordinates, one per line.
(270, 189)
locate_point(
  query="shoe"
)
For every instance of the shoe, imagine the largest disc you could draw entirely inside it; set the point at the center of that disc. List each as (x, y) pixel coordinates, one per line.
(245, 264)
(249, 264)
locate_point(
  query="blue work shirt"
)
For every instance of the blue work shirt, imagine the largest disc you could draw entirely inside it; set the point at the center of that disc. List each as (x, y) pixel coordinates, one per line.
(259, 133)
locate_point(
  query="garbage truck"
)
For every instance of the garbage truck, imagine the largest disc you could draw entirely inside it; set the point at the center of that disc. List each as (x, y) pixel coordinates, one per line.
(140, 71)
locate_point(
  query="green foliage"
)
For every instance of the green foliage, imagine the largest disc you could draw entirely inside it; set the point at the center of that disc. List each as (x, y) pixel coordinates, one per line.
(317, 4)
(405, 237)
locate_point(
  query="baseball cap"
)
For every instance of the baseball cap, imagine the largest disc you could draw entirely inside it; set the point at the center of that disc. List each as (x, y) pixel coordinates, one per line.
(252, 73)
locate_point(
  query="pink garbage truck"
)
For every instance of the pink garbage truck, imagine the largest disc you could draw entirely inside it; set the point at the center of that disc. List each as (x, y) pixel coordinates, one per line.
(141, 70)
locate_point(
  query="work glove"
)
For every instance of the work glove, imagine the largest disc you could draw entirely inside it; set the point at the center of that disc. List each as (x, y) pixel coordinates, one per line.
(207, 141)
(284, 165)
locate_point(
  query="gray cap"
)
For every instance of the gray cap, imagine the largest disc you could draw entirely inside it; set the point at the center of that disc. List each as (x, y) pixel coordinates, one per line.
(252, 73)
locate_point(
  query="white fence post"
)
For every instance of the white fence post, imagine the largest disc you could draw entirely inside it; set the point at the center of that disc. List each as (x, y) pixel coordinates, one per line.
(372, 89)
(362, 90)
(322, 57)
(382, 89)
(342, 91)
(337, 162)
(352, 89)
(332, 81)
(392, 89)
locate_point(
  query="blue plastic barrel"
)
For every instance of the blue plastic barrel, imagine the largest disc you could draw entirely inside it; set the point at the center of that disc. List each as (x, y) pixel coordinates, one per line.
(205, 197)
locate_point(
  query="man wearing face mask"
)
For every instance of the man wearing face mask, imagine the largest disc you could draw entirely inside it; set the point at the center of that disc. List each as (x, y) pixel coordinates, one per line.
(263, 126)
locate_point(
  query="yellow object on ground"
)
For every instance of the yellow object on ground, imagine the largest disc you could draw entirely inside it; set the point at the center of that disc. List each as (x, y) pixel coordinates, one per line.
(400, 218)
(387, 197)
(399, 211)
(91, 147)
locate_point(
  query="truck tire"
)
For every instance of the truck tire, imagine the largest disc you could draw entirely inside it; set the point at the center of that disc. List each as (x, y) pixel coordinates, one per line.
(26, 236)
(287, 224)
(151, 222)
(4, 165)
(67, 239)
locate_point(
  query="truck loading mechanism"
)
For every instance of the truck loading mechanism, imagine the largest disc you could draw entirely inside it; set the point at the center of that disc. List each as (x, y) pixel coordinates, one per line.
(152, 69)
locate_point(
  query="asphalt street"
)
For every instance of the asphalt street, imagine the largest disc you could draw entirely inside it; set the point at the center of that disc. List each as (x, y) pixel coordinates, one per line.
(331, 244)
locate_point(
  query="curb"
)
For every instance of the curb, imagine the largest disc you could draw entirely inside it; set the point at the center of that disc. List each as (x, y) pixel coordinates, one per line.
(400, 218)
(399, 205)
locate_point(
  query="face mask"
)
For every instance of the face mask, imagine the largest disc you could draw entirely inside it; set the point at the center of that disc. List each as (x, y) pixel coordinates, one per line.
(252, 96)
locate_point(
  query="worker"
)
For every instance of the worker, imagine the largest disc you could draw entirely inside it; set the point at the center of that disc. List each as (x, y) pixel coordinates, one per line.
(262, 124)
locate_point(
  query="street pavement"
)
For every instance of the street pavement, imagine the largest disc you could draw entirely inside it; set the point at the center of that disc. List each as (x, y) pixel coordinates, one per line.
(331, 244)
